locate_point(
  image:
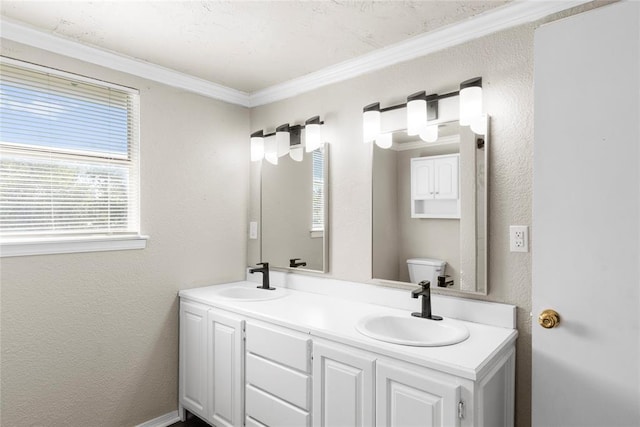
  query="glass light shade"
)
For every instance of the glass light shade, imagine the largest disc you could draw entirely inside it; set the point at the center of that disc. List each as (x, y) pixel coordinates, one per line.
(296, 153)
(429, 133)
(370, 125)
(416, 116)
(479, 125)
(384, 140)
(313, 136)
(271, 150)
(470, 104)
(283, 139)
(257, 148)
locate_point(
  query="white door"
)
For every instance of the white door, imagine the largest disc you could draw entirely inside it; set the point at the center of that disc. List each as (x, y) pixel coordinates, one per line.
(586, 219)
(343, 387)
(193, 352)
(407, 398)
(225, 369)
(422, 185)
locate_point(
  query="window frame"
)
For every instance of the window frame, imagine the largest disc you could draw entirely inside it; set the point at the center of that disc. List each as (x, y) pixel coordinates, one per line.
(25, 245)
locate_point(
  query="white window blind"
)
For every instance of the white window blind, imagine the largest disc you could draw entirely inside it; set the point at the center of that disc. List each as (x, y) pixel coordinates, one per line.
(317, 211)
(69, 163)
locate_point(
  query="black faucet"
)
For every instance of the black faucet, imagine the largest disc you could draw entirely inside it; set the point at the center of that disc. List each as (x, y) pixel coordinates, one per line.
(425, 292)
(265, 275)
(294, 264)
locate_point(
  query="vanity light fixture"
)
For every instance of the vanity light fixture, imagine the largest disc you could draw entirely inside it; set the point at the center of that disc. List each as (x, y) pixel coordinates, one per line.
(470, 100)
(287, 140)
(313, 134)
(423, 109)
(384, 140)
(429, 133)
(370, 122)
(257, 146)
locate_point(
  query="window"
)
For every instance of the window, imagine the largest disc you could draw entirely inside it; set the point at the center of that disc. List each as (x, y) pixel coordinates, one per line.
(317, 211)
(69, 165)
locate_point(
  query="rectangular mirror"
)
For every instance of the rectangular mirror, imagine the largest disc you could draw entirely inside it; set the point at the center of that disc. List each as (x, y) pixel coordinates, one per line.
(429, 204)
(294, 212)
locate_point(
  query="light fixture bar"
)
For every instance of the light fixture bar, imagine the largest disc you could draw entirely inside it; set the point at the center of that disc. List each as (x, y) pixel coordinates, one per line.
(429, 98)
(301, 127)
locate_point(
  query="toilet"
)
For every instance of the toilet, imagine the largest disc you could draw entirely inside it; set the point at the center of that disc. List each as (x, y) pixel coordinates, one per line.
(426, 269)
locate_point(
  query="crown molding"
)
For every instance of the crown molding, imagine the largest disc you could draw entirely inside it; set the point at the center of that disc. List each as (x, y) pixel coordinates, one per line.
(498, 19)
(22, 33)
(518, 12)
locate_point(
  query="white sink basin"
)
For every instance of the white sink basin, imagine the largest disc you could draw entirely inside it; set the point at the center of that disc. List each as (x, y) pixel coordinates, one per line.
(414, 331)
(250, 293)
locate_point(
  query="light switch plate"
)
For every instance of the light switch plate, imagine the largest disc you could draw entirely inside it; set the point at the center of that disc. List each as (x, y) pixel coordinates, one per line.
(253, 230)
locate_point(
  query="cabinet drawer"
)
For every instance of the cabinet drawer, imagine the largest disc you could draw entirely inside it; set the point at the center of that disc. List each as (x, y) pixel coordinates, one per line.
(272, 411)
(250, 422)
(278, 380)
(283, 347)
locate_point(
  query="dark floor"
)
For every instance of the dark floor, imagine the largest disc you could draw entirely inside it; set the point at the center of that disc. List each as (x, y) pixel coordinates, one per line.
(192, 421)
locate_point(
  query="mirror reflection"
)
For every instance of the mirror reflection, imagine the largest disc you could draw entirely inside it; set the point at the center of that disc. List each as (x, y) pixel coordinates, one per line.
(429, 210)
(293, 211)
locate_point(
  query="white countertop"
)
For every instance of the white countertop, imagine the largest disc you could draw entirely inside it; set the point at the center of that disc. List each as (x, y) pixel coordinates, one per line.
(334, 318)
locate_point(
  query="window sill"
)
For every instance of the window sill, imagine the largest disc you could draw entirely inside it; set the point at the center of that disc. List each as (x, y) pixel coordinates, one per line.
(71, 245)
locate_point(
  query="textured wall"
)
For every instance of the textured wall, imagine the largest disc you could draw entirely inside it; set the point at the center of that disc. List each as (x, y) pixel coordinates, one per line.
(505, 61)
(92, 339)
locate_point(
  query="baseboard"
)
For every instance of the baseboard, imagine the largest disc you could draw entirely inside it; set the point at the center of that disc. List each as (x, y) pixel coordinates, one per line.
(162, 421)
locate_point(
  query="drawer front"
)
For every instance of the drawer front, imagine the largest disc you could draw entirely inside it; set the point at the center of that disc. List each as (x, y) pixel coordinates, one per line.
(278, 380)
(271, 411)
(285, 348)
(250, 422)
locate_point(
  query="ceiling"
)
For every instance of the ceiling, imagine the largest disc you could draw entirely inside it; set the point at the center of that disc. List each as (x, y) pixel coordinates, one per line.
(244, 45)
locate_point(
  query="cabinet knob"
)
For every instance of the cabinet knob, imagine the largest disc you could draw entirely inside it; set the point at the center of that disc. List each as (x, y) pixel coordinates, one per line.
(549, 319)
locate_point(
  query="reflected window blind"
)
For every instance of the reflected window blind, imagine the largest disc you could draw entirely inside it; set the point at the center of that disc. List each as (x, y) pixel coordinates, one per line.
(69, 154)
(317, 211)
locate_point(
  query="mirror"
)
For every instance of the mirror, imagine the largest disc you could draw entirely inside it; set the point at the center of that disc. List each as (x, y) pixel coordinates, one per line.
(294, 211)
(430, 201)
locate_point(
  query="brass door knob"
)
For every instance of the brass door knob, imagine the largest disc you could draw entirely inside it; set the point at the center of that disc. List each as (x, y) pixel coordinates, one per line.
(549, 319)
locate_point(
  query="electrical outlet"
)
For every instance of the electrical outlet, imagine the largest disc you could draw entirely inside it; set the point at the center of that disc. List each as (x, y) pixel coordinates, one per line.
(519, 238)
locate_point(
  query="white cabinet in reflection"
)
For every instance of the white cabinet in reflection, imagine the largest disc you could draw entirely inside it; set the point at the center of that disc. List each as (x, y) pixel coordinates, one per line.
(435, 187)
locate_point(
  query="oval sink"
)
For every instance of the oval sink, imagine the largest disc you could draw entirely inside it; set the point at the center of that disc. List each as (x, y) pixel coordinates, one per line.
(244, 293)
(413, 331)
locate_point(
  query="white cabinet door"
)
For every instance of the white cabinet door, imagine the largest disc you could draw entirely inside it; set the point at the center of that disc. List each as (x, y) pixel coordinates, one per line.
(342, 387)
(225, 377)
(422, 185)
(446, 178)
(193, 353)
(408, 398)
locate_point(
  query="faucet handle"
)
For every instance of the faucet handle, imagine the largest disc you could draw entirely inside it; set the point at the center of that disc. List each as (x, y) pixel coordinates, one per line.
(425, 284)
(264, 264)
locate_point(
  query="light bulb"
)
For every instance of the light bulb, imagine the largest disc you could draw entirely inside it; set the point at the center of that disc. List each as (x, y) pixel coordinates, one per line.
(296, 153)
(384, 140)
(313, 134)
(429, 133)
(416, 113)
(257, 146)
(371, 122)
(470, 100)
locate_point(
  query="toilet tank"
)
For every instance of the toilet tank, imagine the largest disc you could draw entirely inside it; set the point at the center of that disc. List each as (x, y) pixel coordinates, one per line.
(426, 269)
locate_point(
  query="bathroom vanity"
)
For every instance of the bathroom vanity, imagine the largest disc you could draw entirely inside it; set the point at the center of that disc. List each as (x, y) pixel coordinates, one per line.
(294, 357)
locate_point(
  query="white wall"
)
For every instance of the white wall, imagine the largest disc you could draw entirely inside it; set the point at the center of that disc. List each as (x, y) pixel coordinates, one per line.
(92, 339)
